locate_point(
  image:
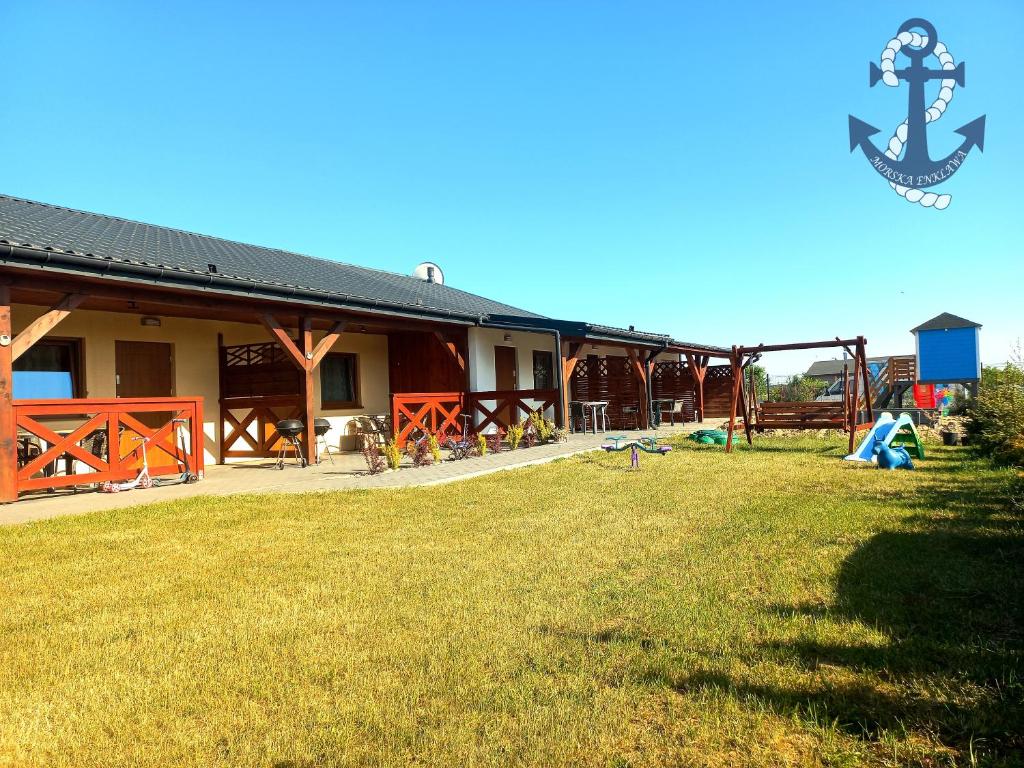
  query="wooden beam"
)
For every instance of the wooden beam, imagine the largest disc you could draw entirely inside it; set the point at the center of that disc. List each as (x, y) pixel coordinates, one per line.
(294, 354)
(568, 354)
(453, 349)
(737, 382)
(328, 341)
(8, 422)
(640, 371)
(837, 342)
(699, 368)
(854, 398)
(862, 348)
(43, 324)
(205, 304)
(746, 409)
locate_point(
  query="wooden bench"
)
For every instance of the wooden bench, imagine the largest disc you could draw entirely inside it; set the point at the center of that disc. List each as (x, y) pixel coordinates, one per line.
(816, 415)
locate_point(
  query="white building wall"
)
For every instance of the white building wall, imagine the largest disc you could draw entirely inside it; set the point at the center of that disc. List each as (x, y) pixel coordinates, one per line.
(482, 342)
(194, 344)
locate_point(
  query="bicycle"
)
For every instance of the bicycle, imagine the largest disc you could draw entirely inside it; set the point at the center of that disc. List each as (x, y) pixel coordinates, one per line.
(463, 447)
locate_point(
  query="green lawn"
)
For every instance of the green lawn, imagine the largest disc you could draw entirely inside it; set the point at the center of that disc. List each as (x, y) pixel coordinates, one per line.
(774, 607)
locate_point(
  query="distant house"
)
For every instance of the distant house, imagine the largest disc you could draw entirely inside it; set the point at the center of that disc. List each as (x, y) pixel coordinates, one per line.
(830, 371)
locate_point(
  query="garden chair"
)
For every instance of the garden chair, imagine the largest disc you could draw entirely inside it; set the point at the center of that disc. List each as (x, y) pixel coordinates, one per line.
(577, 416)
(673, 409)
(374, 429)
(631, 414)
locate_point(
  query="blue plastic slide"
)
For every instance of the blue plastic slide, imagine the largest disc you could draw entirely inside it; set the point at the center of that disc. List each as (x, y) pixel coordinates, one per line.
(882, 433)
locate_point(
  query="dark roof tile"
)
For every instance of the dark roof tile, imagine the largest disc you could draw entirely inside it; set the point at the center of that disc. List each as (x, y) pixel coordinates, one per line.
(943, 321)
(43, 226)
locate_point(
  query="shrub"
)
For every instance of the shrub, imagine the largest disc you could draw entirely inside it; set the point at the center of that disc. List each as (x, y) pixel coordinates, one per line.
(375, 461)
(494, 441)
(996, 418)
(760, 377)
(542, 426)
(435, 448)
(530, 434)
(515, 435)
(798, 389)
(481, 445)
(560, 434)
(393, 454)
(420, 453)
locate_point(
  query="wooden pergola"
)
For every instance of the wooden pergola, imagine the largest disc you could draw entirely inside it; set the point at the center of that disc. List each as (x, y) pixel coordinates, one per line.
(791, 415)
(642, 359)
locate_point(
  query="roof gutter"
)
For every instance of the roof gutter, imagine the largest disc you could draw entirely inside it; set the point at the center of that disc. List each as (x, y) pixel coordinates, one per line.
(70, 263)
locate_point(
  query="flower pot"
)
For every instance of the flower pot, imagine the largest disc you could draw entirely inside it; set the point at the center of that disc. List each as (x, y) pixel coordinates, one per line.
(949, 438)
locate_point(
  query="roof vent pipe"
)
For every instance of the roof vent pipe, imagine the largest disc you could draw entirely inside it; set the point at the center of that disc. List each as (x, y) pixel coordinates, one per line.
(430, 273)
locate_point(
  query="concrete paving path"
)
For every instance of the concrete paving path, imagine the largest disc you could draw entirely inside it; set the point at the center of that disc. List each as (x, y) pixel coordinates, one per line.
(348, 472)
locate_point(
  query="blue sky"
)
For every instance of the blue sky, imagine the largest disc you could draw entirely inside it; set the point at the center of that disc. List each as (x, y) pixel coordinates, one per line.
(678, 167)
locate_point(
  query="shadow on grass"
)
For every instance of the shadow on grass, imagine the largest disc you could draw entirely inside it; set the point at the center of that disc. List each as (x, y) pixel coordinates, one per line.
(947, 590)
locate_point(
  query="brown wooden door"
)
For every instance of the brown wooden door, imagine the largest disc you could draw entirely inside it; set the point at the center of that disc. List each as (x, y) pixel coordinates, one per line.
(145, 369)
(505, 376)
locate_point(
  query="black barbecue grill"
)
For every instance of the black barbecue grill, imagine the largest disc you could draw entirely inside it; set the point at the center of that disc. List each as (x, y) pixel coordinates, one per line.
(321, 427)
(289, 430)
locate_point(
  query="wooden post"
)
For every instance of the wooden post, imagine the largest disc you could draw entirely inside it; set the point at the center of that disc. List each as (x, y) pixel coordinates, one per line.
(846, 391)
(569, 354)
(698, 367)
(862, 346)
(746, 409)
(306, 346)
(851, 422)
(637, 362)
(306, 357)
(8, 424)
(737, 382)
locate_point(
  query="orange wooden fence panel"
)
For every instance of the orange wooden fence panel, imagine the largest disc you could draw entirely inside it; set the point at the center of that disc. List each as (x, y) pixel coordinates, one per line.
(509, 406)
(434, 412)
(71, 430)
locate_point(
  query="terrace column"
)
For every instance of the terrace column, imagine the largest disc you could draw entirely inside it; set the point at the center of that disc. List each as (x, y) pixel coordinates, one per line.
(306, 360)
(698, 367)
(639, 365)
(8, 426)
(568, 354)
(306, 338)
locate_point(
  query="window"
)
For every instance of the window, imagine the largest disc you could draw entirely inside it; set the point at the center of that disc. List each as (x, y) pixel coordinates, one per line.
(543, 370)
(50, 369)
(339, 381)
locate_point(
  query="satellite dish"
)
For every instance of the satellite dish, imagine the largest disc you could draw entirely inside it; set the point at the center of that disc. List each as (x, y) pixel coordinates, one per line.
(429, 272)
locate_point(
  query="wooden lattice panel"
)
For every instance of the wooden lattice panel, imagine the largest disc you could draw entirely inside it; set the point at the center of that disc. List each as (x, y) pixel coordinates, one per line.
(257, 370)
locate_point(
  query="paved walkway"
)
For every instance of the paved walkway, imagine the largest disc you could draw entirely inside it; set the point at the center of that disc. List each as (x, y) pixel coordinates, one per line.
(347, 473)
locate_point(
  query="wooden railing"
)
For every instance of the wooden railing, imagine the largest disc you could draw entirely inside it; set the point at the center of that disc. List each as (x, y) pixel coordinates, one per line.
(902, 369)
(802, 415)
(441, 413)
(79, 442)
(502, 408)
(249, 424)
(434, 412)
(893, 372)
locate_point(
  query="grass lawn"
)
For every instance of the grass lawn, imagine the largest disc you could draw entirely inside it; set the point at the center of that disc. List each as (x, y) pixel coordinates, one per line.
(774, 607)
